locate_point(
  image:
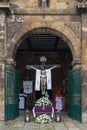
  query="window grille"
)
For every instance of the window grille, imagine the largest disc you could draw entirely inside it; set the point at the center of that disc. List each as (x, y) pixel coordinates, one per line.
(43, 3)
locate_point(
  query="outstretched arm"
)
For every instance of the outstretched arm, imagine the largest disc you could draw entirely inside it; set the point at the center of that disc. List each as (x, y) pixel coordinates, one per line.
(33, 67)
(53, 67)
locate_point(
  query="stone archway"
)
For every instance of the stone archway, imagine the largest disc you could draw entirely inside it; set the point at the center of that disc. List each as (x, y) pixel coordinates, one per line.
(67, 35)
(63, 32)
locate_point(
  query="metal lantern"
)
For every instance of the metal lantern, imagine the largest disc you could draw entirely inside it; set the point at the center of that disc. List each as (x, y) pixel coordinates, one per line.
(58, 116)
(27, 116)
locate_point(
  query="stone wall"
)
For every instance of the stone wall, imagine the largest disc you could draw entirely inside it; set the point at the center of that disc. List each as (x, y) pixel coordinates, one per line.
(84, 66)
(25, 17)
(2, 55)
(68, 28)
(56, 4)
(60, 18)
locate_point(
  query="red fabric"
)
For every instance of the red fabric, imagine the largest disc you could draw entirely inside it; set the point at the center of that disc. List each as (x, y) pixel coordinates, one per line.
(58, 94)
(63, 103)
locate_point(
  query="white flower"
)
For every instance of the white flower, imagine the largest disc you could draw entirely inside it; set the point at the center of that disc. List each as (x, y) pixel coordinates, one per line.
(44, 118)
(43, 102)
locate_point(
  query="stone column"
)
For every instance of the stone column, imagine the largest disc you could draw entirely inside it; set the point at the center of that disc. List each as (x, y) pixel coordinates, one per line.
(2, 44)
(10, 63)
(76, 63)
(84, 67)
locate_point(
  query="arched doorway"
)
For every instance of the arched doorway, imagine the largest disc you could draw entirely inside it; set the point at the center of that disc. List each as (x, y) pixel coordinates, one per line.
(58, 50)
(55, 49)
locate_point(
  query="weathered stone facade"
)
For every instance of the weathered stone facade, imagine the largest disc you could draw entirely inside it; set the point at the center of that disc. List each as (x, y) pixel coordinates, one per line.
(26, 17)
(2, 47)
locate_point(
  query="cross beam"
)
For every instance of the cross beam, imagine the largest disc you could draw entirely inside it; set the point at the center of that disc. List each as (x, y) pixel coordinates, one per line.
(39, 66)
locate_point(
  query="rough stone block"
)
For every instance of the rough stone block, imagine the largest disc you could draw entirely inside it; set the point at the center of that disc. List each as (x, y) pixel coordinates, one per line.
(84, 117)
(61, 5)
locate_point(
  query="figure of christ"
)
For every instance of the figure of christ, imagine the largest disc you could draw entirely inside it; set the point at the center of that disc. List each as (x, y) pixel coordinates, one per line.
(43, 77)
(43, 80)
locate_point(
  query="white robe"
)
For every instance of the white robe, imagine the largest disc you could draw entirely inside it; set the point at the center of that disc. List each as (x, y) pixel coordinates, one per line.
(48, 74)
(21, 101)
(37, 81)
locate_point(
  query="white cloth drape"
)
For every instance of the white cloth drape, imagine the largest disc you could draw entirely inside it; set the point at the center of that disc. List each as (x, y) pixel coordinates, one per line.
(21, 101)
(37, 81)
(48, 74)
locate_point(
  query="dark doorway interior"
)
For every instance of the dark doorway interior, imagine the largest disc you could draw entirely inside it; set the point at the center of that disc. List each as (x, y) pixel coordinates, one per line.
(55, 50)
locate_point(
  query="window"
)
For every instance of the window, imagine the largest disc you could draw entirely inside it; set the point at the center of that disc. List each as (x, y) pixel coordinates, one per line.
(43, 3)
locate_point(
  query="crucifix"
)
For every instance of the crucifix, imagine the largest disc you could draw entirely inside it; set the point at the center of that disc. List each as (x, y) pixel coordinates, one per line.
(43, 69)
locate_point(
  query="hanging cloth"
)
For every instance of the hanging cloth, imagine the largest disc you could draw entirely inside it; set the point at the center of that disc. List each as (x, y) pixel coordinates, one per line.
(37, 80)
(48, 74)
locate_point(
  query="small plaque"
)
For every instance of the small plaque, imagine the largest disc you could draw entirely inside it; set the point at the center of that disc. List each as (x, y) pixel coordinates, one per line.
(28, 87)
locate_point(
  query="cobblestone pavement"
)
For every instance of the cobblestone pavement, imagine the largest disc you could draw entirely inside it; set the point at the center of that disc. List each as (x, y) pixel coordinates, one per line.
(65, 124)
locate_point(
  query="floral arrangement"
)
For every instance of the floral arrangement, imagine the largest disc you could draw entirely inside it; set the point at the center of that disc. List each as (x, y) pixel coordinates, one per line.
(43, 102)
(44, 118)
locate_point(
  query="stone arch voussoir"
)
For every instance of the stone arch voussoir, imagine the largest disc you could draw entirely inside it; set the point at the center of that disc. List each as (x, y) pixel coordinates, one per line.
(57, 28)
